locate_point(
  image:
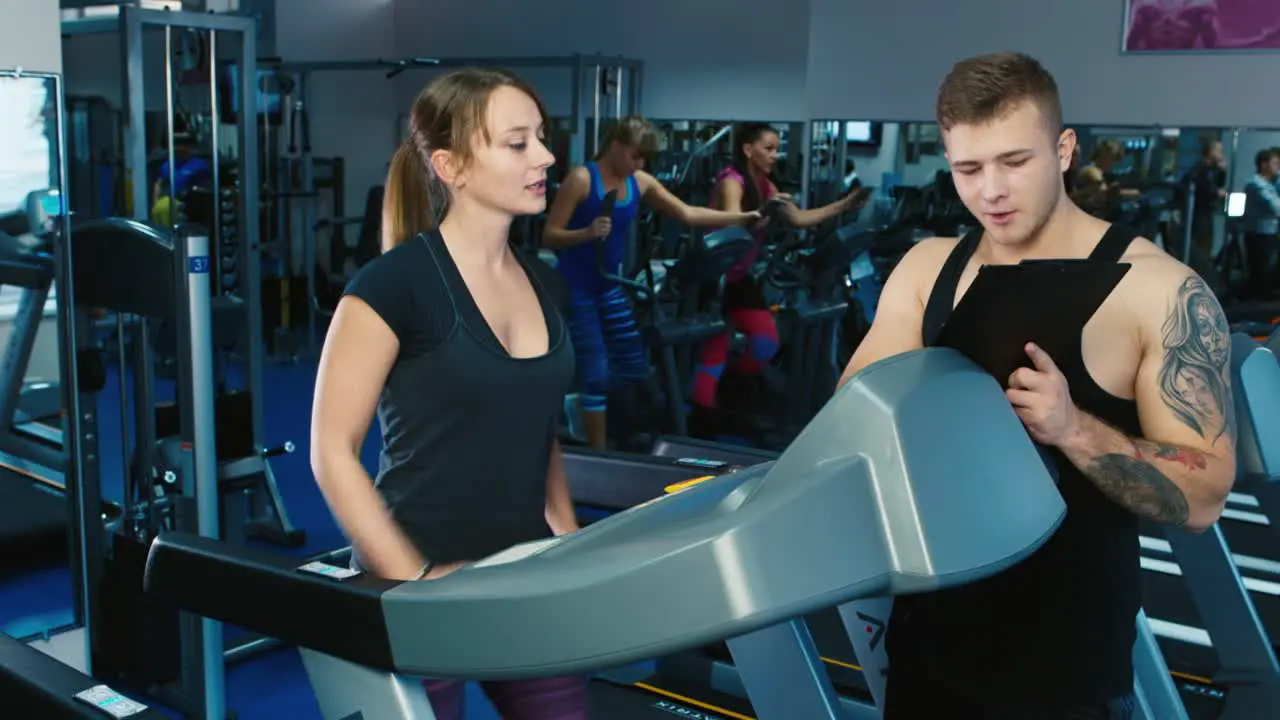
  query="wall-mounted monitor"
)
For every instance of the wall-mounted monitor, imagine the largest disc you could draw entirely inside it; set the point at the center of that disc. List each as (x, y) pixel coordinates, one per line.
(863, 133)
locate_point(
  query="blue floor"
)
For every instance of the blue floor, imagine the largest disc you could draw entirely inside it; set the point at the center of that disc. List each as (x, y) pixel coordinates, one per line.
(269, 687)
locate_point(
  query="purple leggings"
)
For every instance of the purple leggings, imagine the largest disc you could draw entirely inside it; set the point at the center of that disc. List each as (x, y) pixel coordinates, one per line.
(556, 698)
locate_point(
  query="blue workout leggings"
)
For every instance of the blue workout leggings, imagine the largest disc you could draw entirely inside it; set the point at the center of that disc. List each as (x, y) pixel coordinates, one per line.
(607, 343)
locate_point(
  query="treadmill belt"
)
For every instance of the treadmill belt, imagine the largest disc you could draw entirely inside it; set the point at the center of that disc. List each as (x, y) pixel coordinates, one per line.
(661, 699)
(1166, 598)
(1243, 537)
(33, 523)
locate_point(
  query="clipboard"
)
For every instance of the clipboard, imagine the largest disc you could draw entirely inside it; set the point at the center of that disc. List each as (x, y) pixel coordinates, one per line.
(1046, 302)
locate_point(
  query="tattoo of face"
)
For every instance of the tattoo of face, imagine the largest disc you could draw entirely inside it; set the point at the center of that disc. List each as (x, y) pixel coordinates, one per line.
(1141, 488)
(1195, 377)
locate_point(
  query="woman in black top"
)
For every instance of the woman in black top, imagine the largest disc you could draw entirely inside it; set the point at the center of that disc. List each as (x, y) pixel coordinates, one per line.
(458, 344)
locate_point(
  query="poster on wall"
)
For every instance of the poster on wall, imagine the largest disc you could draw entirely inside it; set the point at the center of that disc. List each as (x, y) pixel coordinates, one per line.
(1201, 25)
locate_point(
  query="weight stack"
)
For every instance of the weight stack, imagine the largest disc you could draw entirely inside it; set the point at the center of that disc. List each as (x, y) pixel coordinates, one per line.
(229, 238)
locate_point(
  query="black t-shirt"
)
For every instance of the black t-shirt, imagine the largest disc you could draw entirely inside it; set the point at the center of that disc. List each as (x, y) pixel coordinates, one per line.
(1209, 179)
(466, 428)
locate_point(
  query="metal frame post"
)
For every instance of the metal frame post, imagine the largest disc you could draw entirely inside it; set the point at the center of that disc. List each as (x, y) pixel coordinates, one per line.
(168, 113)
(806, 140)
(621, 70)
(1188, 223)
(309, 218)
(84, 511)
(1231, 166)
(135, 109)
(577, 149)
(595, 113)
(191, 265)
(250, 243)
(215, 136)
(635, 94)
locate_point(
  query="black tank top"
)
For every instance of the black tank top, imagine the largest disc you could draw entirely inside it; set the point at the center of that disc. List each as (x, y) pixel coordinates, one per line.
(1060, 626)
(467, 428)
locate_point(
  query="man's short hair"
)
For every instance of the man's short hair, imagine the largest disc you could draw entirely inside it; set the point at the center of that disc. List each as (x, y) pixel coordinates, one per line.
(1263, 157)
(986, 87)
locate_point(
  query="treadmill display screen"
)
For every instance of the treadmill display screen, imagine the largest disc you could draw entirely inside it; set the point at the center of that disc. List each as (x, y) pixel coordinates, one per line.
(701, 463)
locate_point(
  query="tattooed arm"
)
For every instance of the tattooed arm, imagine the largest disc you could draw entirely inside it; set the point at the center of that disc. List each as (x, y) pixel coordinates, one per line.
(1181, 472)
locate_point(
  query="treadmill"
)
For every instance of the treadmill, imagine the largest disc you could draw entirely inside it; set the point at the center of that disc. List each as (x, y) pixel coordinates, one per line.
(1226, 669)
(33, 509)
(879, 496)
(31, 438)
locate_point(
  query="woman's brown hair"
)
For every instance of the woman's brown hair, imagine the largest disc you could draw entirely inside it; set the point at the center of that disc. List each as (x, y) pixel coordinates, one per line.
(449, 114)
(631, 131)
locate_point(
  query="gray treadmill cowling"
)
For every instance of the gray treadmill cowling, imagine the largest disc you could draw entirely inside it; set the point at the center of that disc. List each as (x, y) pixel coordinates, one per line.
(915, 476)
(1258, 411)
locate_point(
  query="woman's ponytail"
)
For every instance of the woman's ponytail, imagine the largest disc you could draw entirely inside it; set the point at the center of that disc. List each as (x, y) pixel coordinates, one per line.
(406, 199)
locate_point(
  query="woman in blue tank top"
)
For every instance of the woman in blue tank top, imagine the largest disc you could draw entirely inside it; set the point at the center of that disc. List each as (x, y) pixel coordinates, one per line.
(607, 341)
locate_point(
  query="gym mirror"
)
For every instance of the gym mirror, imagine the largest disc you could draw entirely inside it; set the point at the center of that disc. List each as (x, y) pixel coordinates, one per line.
(691, 152)
(880, 154)
(36, 573)
(1243, 256)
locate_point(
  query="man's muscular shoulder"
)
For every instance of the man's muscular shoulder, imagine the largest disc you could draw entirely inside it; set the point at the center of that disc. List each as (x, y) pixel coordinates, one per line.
(1151, 269)
(919, 268)
(1159, 287)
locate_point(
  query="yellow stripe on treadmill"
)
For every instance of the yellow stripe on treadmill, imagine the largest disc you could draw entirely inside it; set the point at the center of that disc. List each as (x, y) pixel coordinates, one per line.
(1192, 678)
(684, 484)
(838, 663)
(1174, 673)
(691, 701)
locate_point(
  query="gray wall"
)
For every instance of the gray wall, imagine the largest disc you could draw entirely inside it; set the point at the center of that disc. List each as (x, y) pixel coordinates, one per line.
(709, 59)
(883, 60)
(29, 35)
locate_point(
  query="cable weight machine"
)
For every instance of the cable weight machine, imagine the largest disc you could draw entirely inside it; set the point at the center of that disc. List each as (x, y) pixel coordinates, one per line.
(187, 288)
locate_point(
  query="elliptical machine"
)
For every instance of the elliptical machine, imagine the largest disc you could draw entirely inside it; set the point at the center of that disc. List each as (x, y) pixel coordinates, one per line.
(815, 301)
(672, 322)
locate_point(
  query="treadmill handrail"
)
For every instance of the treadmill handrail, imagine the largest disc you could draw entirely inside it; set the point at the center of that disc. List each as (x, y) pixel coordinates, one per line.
(112, 253)
(1255, 367)
(30, 272)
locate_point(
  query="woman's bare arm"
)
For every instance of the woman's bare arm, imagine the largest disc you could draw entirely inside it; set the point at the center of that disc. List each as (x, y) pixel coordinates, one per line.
(358, 354)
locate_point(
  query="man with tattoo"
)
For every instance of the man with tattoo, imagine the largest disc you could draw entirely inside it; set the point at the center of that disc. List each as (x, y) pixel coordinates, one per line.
(1138, 420)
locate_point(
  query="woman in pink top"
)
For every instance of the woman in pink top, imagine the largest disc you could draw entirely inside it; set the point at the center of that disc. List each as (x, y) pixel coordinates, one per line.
(745, 186)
